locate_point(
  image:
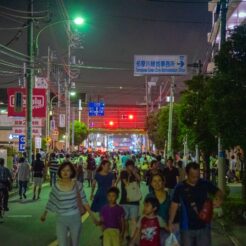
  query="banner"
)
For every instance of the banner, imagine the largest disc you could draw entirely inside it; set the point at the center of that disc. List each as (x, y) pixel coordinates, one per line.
(21, 122)
(41, 82)
(38, 102)
(62, 120)
(22, 131)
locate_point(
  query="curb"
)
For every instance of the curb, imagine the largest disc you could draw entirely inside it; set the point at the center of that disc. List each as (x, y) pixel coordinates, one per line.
(228, 234)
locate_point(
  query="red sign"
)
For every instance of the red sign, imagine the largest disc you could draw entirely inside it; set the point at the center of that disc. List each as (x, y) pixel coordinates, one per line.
(38, 102)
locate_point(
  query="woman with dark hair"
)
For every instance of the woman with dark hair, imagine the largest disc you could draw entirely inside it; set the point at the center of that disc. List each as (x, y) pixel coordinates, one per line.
(104, 179)
(157, 183)
(63, 201)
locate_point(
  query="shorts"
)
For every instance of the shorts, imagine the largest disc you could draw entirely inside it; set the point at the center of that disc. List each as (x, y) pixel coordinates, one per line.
(37, 181)
(131, 211)
(111, 237)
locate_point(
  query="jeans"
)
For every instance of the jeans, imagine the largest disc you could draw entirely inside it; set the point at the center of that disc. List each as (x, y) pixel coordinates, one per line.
(201, 237)
(52, 178)
(65, 224)
(22, 187)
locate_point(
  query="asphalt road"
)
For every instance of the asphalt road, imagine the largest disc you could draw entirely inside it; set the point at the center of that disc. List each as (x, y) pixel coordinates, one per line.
(22, 226)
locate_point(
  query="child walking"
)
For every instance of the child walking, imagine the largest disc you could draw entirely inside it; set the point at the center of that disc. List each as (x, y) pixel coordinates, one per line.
(112, 219)
(149, 225)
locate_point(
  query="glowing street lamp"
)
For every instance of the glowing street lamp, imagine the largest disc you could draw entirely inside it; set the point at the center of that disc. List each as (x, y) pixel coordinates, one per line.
(72, 93)
(79, 21)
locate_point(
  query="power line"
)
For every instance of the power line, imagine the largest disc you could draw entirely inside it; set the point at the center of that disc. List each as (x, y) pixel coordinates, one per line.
(13, 51)
(22, 11)
(13, 28)
(189, 2)
(23, 17)
(144, 19)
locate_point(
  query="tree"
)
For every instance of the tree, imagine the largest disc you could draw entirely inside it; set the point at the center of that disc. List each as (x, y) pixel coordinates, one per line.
(157, 125)
(228, 93)
(81, 132)
(194, 115)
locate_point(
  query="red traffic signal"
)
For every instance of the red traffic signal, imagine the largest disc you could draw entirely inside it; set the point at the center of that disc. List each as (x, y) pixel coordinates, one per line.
(130, 117)
(111, 123)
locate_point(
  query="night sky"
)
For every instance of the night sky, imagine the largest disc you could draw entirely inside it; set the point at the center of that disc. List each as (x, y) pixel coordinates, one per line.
(116, 30)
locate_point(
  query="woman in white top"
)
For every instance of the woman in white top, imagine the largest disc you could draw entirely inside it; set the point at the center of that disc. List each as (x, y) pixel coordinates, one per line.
(63, 201)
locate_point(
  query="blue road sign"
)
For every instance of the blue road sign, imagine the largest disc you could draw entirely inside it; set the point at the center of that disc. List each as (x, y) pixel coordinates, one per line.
(160, 65)
(96, 109)
(22, 143)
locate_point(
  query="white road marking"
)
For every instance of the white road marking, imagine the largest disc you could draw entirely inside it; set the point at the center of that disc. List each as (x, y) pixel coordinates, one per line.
(18, 216)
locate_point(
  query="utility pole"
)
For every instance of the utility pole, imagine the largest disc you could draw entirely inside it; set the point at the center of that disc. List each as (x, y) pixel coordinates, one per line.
(48, 101)
(147, 111)
(221, 152)
(73, 118)
(30, 81)
(68, 106)
(170, 119)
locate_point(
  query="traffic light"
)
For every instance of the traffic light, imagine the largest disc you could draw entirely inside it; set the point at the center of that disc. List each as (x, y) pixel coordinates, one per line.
(130, 116)
(127, 116)
(18, 102)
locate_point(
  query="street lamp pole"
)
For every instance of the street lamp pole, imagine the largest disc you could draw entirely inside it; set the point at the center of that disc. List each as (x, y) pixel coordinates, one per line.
(77, 21)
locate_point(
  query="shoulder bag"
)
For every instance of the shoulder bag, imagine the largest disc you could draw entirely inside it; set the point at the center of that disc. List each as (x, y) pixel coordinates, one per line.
(206, 212)
(81, 207)
(133, 191)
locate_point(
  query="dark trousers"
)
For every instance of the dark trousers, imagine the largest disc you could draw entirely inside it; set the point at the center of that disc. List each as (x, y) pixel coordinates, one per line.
(52, 178)
(5, 197)
(22, 187)
(200, 237)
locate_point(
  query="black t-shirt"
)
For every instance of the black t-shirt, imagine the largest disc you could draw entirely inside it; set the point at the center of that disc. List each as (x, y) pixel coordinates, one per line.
(91, 164)
(171, 177)
(38, 169)
(124, 175)
(199, 194)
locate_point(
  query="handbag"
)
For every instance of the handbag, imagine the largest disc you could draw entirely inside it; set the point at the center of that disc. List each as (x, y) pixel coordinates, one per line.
(80, 205)
(171, 240)
(133, 191)
(206, 213)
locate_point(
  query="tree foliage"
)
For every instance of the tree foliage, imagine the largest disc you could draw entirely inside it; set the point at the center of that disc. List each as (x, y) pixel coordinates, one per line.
(195, 115)
(228, 90)
(157, 125)
(81, 132)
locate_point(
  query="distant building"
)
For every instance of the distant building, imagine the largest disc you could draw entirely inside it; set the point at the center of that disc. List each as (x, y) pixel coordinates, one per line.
(236, 15)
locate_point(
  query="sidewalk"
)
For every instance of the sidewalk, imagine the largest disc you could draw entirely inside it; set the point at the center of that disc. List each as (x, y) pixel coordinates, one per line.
(234, 234)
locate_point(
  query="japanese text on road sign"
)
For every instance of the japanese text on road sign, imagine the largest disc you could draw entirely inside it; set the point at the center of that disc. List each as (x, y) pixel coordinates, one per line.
(160, 65)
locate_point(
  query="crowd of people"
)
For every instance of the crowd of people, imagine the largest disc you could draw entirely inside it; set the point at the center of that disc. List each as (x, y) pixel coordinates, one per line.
(176, 206)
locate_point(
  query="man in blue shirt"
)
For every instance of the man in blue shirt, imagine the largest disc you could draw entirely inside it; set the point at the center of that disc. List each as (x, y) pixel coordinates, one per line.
(5, 183)
(191, 195)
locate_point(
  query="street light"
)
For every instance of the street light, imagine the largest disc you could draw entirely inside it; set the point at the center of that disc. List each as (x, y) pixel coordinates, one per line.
(77, 21)
(72, 93)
